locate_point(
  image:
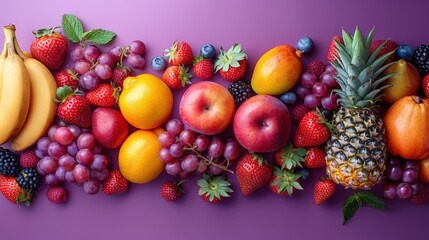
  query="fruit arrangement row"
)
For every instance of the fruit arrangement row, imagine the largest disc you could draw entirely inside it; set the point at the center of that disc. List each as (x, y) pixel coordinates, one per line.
(351, 117)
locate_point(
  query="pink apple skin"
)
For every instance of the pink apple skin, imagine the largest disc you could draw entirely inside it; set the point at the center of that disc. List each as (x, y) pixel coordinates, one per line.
(207, 108)
(262, 124)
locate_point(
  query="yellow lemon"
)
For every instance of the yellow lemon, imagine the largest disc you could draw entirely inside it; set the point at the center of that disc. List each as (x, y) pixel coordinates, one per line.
(146, 101)
(277, 71)
(138, 156)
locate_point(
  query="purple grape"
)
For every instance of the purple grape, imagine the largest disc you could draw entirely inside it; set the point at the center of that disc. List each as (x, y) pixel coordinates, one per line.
(82, 66)
(393, 161)
(418, 186)
(187, 137)
(81, 173)
(60, 174)
(189, 163)
(216, 147)
(86, 140)
(70, 177)
(84, 157)
(404, 190)
(77, 53)
(320, 89)
(60, 123)
(51, 180)
(165, 156)
(46, 165)
(75, 130)
(412, 164)
(56, 150)
(91, 186)
(99, 162)
(302, 91)
(66, 162)
(176, 150)
(91, 53)
(312, 101)
(185, 175)
(328, 79)
(138, 47)
(103, 71)
(329, 102)
(175, 126)
(201, 143)
(232, 150)
(100, 176)
(72, 148)
(410, 175)
(214, 170)
(107, 58)
(308, 79)
(330, 69)
(51, 133)
(89, 81)
(39, 153)
(394, 173)
(166, 139)
(43, 144)
(389, 191)
(116, 51)
(173, 169)
(135, 61)
(202, 167)
(63, 135)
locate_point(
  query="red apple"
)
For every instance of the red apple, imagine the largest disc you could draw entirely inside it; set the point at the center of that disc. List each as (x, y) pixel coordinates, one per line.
(262, 124)
(207, 108)
(109, 127)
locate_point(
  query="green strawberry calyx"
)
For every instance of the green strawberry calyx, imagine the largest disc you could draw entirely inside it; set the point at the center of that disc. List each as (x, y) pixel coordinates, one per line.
(214, 187)
(292, 156)
(286, 180)
(230, 58)
(46, 32)
(64, 92)
(184, 76)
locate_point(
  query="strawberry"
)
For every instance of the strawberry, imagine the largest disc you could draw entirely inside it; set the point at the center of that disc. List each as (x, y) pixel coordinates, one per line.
(289, 157)
(176, 77)
(253, 172)
(312, 130)
(73, 107)
(317, 67)
(115, 183)
(231, 64)
(119, 74)
(57, 194)
(67, 77)
(171, 191)
(323, 190)
(105, 95)
(213, 189)
(13, 192)
(203, 68)
(180, 53)
(315, 157)
(298, 112)
(28, 159)
(420, 198)
(284, 181)
(332, 51)
(389, 46)
(425, 85)
(50, 48)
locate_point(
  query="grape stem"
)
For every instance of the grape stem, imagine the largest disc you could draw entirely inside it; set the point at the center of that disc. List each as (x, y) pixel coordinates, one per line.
(210, 161)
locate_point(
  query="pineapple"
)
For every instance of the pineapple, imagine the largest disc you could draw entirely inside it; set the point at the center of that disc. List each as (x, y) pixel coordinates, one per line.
(356, 150)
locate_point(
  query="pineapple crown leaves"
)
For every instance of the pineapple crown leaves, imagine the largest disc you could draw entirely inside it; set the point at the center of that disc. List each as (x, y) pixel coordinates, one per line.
(356, 200)
(358, 70)
(229, 58)
(214, 187)
(292, 156)
(64, 92)
(286, 180)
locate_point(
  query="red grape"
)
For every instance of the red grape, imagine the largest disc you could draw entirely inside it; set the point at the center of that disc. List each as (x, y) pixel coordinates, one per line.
(91, 53)
(175, 126)
(329, 102)
(63, 135)
(320, 89)
(75, 130)
(138, 47)
(85, 157)
(404, 190)
(201, 143)
(66, 162)
(389, 191)
(107, 58)
(312, 101)
(165, 156)
(47, 165)
(81, 173)
(116, 51)
(173, 169)
(43, 144)
(232, 150)
(189, 163)
(216, 147)
(51, 179)
(308, 79)
(136, 61)
(202, 167)
(89, 81)
(302, 91)
(328, 79)
(412, 164)
(99, 162)
(103, 71)
(56, 150)
(70, 177)
(51, 133)
(86, 140)
(82, 66)
(166, 139)
(187, 137)
(410, 175)
(100, 175)
(176, 150)
(60, 174)
(394, 173)
(77, 53)
(91, 186)
(72, 148)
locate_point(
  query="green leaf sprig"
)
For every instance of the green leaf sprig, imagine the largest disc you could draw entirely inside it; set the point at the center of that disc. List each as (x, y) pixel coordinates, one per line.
(353, 202)
(73, 30)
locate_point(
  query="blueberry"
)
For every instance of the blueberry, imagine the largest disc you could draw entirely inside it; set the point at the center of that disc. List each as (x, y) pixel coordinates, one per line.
(305, 174)
(288, 98)
(404, 51)
(305, 44)
(208, 51)
(158, 63)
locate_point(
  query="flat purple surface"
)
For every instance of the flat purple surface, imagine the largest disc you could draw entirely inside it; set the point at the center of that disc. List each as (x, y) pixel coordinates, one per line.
(258, 26)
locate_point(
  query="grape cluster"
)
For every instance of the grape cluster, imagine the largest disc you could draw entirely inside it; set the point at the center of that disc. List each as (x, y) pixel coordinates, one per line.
(186, 152)
(316, 91)
(70, 154)
(403, 179)
(94, 66)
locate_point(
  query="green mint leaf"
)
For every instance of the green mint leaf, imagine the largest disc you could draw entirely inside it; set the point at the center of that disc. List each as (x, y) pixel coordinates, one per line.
(72, 27)
(351, 205)
(99, 36)
(372, 200)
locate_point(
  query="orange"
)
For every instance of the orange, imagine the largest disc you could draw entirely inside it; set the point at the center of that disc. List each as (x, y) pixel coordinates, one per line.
(277, 71)
(138, 156)
(424, 170)
(146, 101)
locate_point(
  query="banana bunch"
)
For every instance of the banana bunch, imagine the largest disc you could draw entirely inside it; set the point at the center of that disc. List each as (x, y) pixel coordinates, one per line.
(27, 92)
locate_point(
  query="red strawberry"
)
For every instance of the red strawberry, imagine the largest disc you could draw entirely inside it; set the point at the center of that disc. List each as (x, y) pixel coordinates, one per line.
(312, 130)
(232, 64)
(176, 77)
(180, 53)
(67, 77)
(73, 107)
(425, 85)
(420, 198)
(323, 190)
(289, 157)
(13, 192)
(283, 182)
(389, 46)
(105, 95)
(28, 159)
(171, 191)
(203, 68)
(213, 189)
(332, 51)
(58, 194)
(253, 172)
(315, 157)
(115, 183)
(298, 112)
(119, 74)
(317, 67)
(49, 47)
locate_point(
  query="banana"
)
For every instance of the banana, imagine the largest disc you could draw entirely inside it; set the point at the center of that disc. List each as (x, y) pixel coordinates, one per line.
(42, 110)
(15, 90)
(2, 59)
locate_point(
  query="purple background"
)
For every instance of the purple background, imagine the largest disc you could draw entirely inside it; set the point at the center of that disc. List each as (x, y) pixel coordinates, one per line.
(258, 26)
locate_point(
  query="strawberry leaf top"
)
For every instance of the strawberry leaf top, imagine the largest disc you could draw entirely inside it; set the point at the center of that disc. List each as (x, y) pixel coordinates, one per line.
(286, 180)
(229, 58)
(44, 32)
(215, 187)
(292, 157)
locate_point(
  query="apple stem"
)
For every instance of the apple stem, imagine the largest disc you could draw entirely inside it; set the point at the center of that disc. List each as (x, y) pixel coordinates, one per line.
(210, 161)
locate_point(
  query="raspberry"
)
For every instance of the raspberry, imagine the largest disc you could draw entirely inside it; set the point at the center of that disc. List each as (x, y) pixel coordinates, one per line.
(298, 112)
(28, 159)
(57, 195)
(317, 67)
